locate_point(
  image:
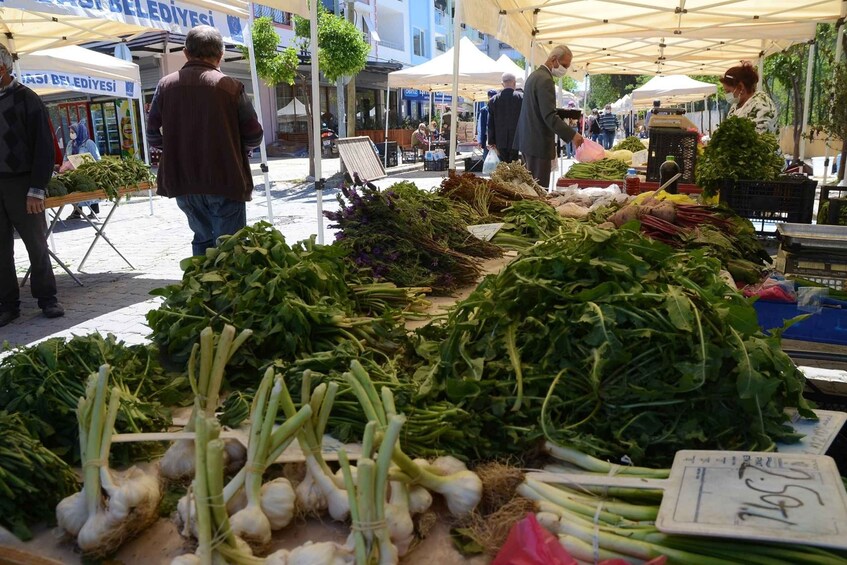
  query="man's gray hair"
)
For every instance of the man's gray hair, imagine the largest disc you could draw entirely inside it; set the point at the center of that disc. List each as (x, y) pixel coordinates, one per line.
(6, 58)
(560, 51)
(204, 42)
(508, 77)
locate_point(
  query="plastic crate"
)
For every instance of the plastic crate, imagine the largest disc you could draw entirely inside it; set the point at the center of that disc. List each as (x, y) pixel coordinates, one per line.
(837, 198)
(473, 165)
(786, 200)
(827, 326)
(681, 144)
(435, 165)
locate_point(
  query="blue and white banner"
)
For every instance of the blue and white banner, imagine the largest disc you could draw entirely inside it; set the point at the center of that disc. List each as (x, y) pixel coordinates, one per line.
(167, 15)
(80, 83)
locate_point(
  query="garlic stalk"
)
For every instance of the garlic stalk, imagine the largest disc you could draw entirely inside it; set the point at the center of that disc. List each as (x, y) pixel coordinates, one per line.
(178, 461)
(398, 517)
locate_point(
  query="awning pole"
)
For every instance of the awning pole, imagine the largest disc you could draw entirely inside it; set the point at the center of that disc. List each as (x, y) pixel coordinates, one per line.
(257, 104)
(454, 115)
(810, 68)
(761, 66)
(143, 139)
(385, 141)
(316, 118)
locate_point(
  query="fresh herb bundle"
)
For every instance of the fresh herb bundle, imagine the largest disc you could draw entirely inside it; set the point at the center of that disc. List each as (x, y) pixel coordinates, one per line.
(44, 382)
(295, 298)
(616, 345)
(409, 237)
(737, 152)
(33, 479)
(527, 222)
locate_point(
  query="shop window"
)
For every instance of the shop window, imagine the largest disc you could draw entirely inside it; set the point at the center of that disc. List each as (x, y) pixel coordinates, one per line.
(418, 42)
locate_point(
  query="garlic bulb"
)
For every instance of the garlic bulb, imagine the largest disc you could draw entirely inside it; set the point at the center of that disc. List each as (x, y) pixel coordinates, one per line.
(336, 498)
(131, 492)
(186, 517)
(251, 524)
(323, 553)
(235, 455)
(400, 526)
(419, 500)
(178, 462)
(71, 513)
(277, 558)
(462, 491)
(186, 559)
(237, 502)
(278, 501)
(447, 465)
(310, 499)
(99, 530)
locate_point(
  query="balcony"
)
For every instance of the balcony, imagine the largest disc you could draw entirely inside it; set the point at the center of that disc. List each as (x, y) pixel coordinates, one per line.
(392, 45)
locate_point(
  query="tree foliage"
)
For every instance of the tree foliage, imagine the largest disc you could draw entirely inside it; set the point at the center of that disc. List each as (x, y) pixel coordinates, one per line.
(834, 122)
(342, 51)
(606, 89)
(272, 66)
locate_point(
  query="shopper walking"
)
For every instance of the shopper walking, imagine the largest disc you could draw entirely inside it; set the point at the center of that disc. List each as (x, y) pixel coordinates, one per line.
(538, 123)
(482, 126)
(608, 124)
(205, 125)
(26, 165)
(504, 110)
(594, 130)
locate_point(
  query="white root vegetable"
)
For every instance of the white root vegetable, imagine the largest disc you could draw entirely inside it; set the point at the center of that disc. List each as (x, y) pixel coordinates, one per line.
(419, 500)
(336, 498)
(447, 465)
(310, 498)
(111, 507)
(325, 553)
(252, 525)
(278, 502)
(186, 559)
(401, 528)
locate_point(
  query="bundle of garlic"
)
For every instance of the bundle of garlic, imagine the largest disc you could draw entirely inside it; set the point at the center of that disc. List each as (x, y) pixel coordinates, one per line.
(112, 506)
(461, 488)
(371, 520)
(216, 542)
(321, 488)
(178, 461)
(257, 508)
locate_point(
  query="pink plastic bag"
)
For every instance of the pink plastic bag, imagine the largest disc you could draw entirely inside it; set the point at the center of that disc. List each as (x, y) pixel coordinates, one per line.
(530, 544)
(589, 152)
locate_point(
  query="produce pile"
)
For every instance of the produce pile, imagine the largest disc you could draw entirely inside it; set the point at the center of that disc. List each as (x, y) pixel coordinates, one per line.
(631, 143)
(43, 383)
(616, 345)
(487, 198)
(737, 152)
(320, 302)
(604, 169)
(108, 174)
(408, 237)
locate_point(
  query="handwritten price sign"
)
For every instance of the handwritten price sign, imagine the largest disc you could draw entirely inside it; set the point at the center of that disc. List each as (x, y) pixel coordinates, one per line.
(781, 497)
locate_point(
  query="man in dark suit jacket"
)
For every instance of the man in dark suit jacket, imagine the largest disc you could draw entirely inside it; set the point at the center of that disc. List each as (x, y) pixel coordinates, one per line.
(503, 113)
(539, 124)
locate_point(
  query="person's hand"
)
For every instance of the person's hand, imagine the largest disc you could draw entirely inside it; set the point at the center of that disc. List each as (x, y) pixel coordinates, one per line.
(492, 147)
(577, 140)
(34, 205)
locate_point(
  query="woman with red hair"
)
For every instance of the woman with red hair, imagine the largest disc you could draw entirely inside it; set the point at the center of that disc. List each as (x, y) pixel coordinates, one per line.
(746, 101)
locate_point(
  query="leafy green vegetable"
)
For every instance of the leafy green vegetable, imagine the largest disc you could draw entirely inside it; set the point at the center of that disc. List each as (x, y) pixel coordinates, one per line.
(44, 382)
(526, 222)
(737, 152)
(32, 478)
(625, 347)
(604, 169)
(56, 188)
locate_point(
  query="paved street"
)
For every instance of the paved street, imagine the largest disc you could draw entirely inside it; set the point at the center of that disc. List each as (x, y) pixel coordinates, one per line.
(115, 297)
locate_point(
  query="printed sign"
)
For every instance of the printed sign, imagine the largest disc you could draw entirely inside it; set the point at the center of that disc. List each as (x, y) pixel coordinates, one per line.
(173, 16)
(780, 497)
(79, 83)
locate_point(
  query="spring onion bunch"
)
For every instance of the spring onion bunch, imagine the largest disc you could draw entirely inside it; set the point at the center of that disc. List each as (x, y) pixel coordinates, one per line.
(112, 506)
(178, 461)
(622, 526)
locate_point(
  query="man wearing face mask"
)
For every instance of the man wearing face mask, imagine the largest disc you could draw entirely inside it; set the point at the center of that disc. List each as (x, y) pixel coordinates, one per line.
(26, 165)
(538, 123)
(746, 101)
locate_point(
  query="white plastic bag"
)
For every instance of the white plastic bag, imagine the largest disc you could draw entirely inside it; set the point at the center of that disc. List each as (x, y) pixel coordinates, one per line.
(490, 163)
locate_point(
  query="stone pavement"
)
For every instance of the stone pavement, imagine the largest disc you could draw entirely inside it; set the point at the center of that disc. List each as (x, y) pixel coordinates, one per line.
(115, 297)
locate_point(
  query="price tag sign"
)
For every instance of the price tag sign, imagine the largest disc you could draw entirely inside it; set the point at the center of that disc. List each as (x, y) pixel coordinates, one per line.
(778, 497)
(485, 231)
(818, 434)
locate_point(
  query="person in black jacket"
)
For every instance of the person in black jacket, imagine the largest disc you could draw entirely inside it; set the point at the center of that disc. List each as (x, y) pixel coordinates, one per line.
(504, 109)
(26, 165)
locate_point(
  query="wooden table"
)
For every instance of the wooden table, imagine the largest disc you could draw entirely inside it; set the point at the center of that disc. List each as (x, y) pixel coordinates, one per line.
(58, 203)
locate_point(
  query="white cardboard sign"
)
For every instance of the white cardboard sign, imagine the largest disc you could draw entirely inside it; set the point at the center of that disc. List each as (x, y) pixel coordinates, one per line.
(485, 231)
(818, 434)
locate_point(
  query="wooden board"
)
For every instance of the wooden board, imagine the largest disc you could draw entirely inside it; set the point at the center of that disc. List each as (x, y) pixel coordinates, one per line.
(358, 156)
(74, 197)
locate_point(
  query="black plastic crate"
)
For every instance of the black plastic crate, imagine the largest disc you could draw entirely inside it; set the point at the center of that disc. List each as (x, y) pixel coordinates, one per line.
(837, 198)
(789, 200)
(473, 165)
(435, 165)
(391, 147)
(681, 144)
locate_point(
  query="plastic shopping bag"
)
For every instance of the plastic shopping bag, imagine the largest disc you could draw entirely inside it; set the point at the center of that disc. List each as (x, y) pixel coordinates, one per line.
(530, 544)
(490, 163)
(589, 152)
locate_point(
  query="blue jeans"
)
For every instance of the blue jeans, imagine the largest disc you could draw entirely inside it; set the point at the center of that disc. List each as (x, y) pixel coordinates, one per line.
(211, 216)
(608, 139)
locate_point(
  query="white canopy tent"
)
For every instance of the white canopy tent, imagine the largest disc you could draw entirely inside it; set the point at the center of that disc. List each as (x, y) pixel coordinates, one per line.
(477, 72)
(623, 105)
(293, 111)
(509, 66)
(671, 89)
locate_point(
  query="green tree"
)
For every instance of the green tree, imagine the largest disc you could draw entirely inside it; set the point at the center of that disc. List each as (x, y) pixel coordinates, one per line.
(789, 68)
(567, 83)
(834, 122)
(272, 66)
(606, 89)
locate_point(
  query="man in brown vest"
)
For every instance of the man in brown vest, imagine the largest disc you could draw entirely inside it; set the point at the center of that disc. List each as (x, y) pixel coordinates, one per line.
(205, 125)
